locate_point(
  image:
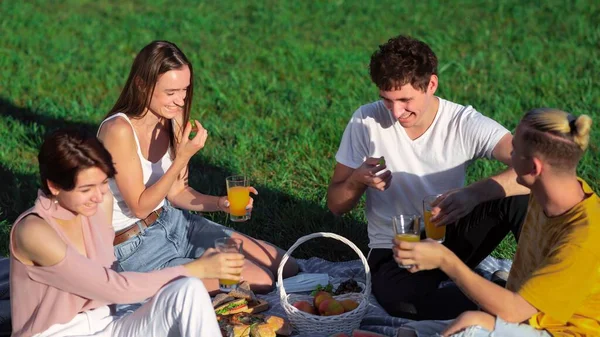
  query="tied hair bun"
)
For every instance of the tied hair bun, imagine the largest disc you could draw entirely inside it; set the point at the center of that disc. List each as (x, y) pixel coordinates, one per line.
(580, 129)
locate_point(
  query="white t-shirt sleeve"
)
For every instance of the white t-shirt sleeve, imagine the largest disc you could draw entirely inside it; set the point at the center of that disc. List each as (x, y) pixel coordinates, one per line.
(354, 147)
(481, 134)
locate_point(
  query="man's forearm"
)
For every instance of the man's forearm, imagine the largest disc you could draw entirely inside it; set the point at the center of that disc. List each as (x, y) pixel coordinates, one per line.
(499, 186)
(344, 196)
(489, 296)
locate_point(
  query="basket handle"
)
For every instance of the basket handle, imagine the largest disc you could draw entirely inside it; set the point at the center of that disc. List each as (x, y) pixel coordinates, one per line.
(286, 256)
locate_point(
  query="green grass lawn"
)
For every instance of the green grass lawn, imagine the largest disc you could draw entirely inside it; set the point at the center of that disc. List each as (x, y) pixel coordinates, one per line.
(276, 83)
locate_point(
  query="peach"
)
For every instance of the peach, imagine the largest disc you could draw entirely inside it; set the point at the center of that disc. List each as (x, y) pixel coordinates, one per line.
(320, 297)
(305, 306)
(331, 307)
(349, 305)
(339, 334)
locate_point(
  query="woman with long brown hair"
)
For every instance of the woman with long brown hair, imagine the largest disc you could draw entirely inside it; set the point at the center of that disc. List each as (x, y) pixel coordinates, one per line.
(147, 133)
(62, 280)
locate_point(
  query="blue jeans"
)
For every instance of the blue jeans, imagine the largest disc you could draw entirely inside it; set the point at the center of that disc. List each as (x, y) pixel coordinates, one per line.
(501, 329)
(175, 238)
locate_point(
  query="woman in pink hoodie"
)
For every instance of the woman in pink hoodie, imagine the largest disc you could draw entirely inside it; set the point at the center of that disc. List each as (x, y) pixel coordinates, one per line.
(62, 280)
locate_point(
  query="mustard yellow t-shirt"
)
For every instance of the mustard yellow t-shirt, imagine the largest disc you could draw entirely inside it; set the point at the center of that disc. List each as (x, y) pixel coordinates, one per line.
(557, 267)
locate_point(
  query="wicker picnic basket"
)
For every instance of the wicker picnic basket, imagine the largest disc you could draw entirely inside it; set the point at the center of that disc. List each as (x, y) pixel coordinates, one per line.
(306, 323)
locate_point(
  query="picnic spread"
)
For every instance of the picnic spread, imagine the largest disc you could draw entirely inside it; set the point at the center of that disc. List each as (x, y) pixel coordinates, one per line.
(303, 313)
(376, 319)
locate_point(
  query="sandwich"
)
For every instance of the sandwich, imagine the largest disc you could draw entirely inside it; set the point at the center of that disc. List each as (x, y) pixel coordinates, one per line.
(231, 306)
(243, 291)
(239, 300)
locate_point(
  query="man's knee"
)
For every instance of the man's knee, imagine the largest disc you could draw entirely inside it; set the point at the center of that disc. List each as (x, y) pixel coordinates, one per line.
(394, 300)
(399, 308)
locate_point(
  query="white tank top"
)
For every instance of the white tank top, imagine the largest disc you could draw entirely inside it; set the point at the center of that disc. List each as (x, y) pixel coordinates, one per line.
(122, 216)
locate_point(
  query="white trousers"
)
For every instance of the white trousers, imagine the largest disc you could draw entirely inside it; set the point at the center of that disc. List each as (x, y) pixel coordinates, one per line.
(181, 308)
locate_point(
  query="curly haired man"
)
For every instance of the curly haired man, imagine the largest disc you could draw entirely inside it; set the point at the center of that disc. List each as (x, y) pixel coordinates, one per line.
(427, 143)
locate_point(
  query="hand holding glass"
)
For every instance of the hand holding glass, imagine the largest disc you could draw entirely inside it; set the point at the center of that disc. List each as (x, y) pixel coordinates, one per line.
(432, 231)
(228, 245)
(407, 228)
(238, 195)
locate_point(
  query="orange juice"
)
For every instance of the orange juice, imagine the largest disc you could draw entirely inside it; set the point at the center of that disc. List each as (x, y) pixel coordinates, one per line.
(408, 237)
(239, 197)
(433, 231)
(227, 282)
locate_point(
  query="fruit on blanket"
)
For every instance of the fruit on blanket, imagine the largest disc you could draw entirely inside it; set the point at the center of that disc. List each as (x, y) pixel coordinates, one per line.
(320, 297)
(305, 306)
(331, 307)
(349, 305)
(363, 333)
(339, 334)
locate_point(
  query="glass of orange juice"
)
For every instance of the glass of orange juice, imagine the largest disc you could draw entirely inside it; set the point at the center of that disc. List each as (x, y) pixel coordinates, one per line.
(407, 228)
(228, 245)
(238, 195)
(432, 231)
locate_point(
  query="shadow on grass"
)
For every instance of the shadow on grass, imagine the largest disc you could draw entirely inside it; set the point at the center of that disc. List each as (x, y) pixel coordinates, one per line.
(28, 117)
(277, 217)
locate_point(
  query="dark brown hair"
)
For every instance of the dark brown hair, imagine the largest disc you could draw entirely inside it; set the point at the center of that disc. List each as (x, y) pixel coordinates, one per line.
(66, 152)
(152, 61)
(559, 137)
(400, 61)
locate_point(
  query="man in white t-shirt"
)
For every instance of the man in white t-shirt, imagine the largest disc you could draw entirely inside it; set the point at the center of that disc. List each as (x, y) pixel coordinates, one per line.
(427, 143)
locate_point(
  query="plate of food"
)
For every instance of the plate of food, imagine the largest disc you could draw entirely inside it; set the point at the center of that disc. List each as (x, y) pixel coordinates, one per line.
(238, 314)
(253, 325)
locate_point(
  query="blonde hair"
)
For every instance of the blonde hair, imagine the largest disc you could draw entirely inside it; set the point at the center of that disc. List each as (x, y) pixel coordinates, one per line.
(558, 136)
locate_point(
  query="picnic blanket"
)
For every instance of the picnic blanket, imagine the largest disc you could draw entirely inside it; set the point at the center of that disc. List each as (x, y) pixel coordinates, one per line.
(376, 319)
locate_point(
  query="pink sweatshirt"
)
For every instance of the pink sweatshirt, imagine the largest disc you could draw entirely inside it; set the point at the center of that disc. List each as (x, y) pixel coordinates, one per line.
(43, 296)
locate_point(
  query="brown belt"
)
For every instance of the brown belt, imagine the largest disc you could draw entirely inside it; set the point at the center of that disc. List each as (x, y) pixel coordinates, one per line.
(135, 229)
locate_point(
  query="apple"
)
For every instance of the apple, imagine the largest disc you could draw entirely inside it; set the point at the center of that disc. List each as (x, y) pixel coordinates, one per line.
(331, 307)
(349, 305)
(320, 297)
(305, 306)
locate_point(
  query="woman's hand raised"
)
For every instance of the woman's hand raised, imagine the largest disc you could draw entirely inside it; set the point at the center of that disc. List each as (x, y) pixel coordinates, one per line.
(188, 147)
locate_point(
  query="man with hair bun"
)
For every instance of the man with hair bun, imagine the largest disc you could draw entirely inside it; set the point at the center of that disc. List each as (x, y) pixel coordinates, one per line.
(552, 288)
